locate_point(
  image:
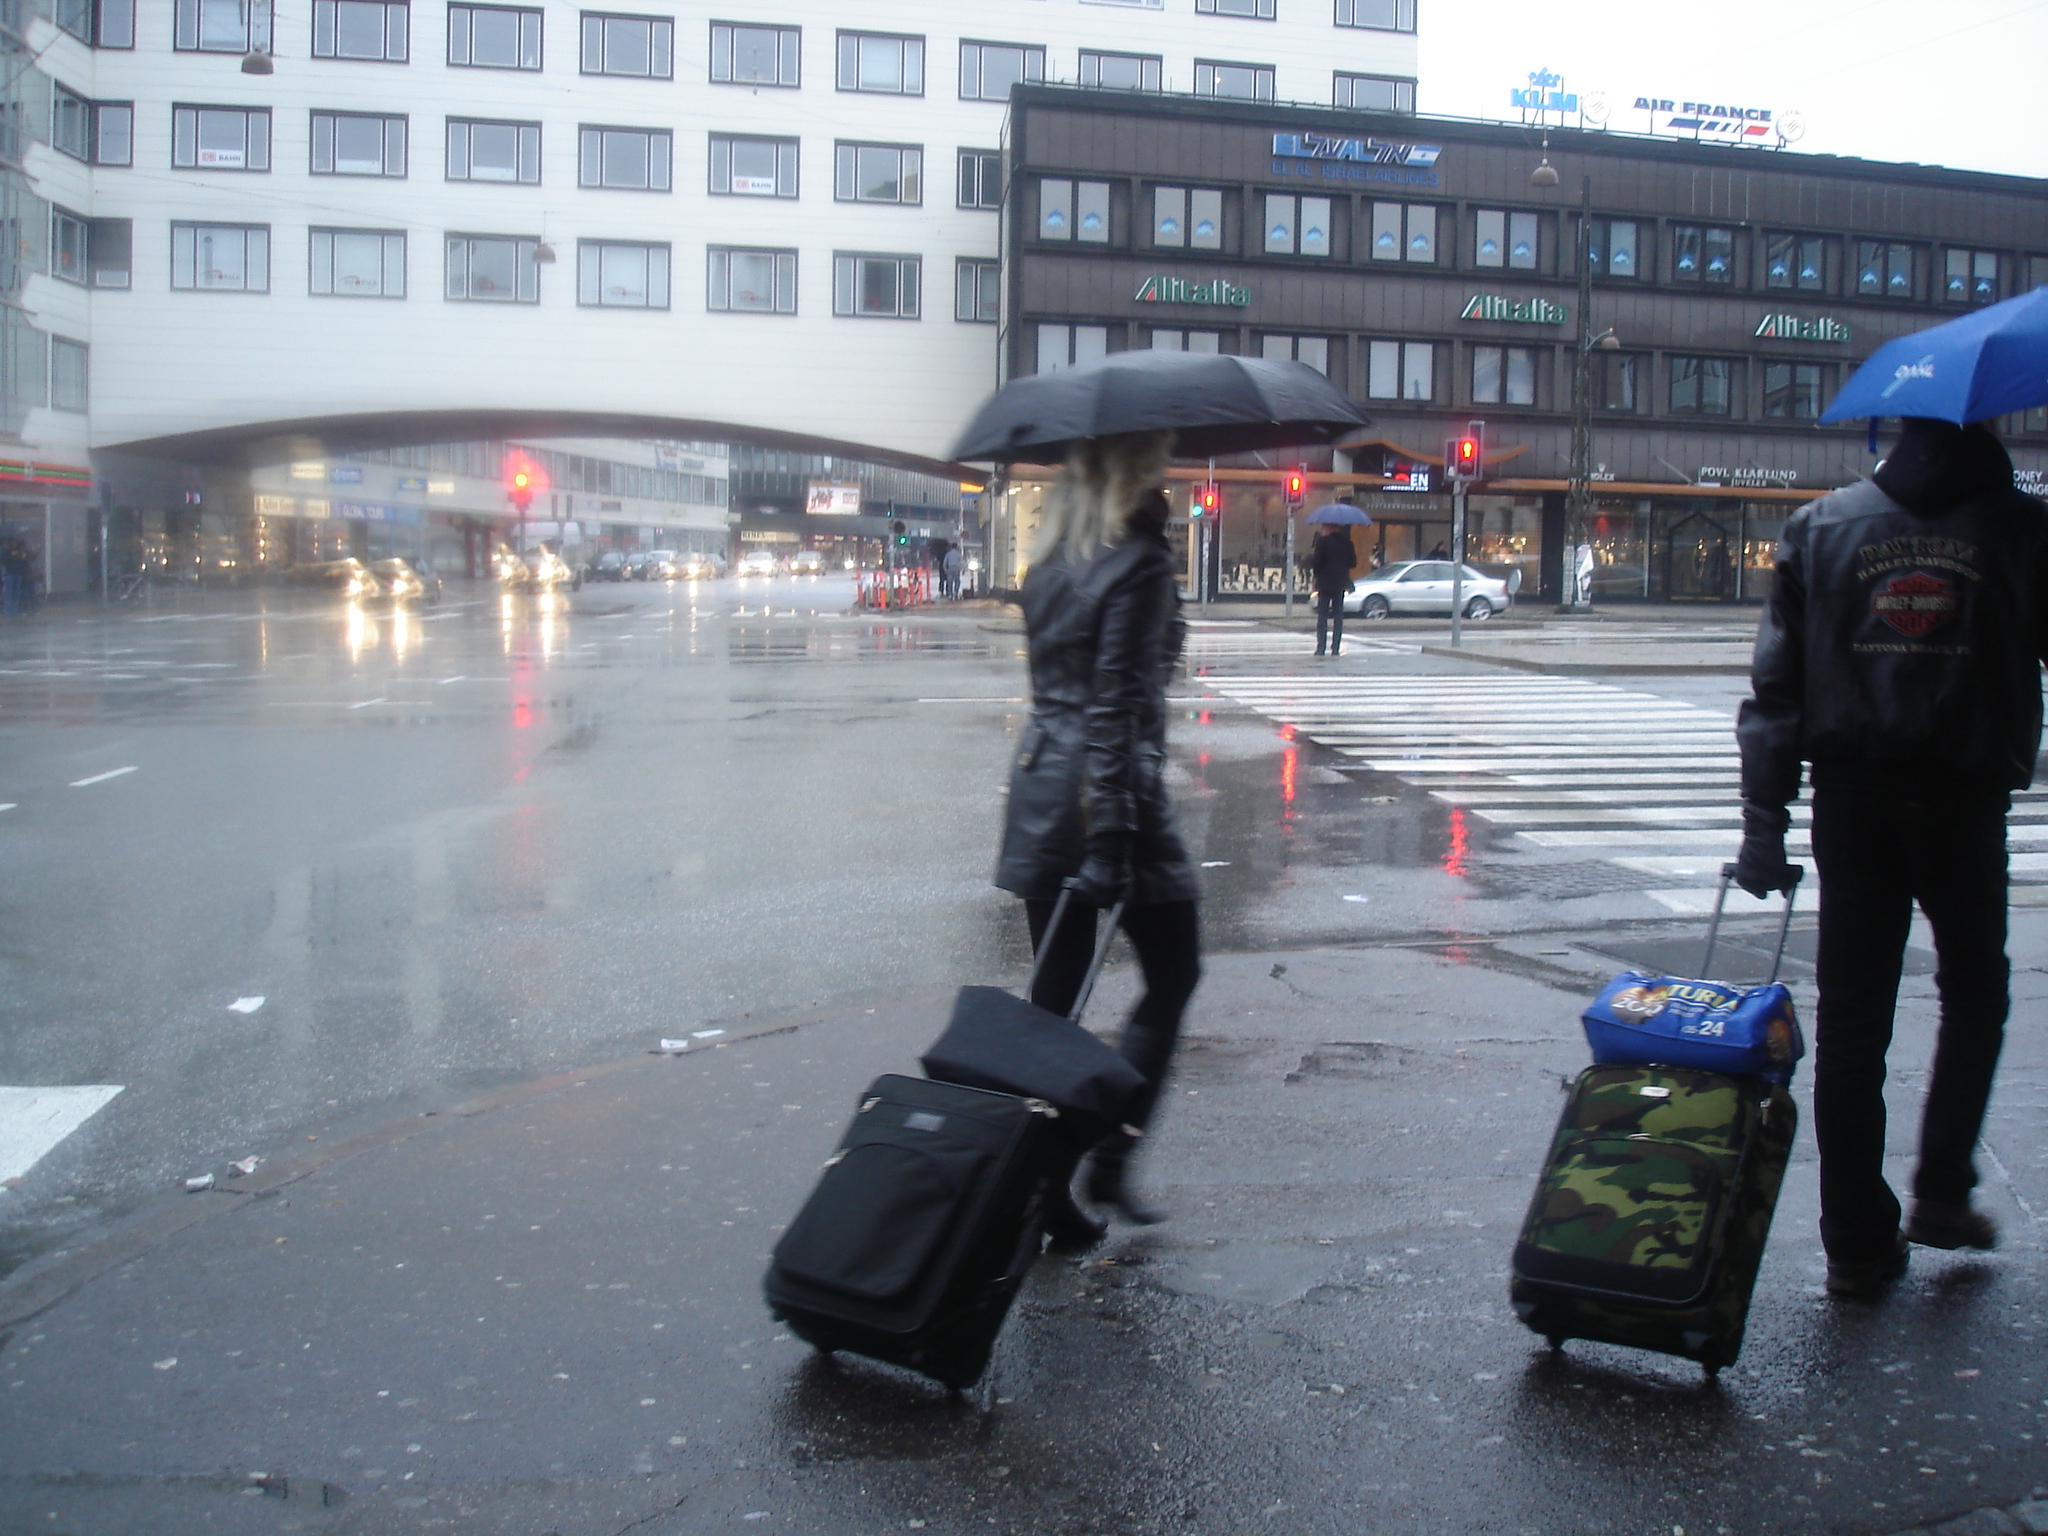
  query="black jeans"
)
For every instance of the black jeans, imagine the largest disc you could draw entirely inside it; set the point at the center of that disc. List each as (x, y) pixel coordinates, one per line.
(1330, 617)
(1167, 939)
(1878, 854)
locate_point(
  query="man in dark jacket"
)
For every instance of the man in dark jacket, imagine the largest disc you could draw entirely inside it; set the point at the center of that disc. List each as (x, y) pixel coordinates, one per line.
(1332, 559)
(1900, 655)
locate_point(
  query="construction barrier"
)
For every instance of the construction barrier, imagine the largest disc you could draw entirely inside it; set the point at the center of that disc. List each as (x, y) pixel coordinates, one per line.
(895, 589)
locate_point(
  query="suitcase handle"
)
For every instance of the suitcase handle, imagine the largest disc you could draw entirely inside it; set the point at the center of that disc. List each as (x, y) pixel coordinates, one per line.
(1793, 875)
(1059, 910)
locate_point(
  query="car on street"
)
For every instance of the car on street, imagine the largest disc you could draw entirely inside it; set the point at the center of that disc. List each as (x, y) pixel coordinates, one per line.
(1410, 587)
(404, 578)
(609, 566)
(661, 565)
(807, 562)
(701, 567)
(348, 576)
(758, 562)
(540, 569)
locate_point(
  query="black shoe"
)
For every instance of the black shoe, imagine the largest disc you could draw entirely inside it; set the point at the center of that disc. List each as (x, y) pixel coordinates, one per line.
(1109, 1185)
(1867, 1279)
(1069, 1229)
(1939, 1225)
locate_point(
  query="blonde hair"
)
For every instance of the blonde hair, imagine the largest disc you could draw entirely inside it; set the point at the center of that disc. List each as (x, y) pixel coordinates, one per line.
(1100, 485)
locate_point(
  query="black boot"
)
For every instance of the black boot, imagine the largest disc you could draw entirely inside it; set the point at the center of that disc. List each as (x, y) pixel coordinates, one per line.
(1109, 1185)
(1068, 1228)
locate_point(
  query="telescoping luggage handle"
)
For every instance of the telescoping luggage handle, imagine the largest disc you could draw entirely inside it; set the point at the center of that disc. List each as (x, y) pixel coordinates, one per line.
(1794, 873)
(1059, 910)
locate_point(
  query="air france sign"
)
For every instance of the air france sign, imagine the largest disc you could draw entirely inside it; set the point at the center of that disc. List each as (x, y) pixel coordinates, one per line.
(1334, 159)
(1719, 122)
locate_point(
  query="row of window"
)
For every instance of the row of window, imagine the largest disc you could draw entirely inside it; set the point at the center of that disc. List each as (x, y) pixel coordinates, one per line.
(1391, 369)
(1504, 239)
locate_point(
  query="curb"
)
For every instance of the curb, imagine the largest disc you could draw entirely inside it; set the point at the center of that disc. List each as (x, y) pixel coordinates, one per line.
(1596, 668)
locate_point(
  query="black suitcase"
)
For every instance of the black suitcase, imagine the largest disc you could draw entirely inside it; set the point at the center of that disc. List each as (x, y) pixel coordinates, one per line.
(922, 1227)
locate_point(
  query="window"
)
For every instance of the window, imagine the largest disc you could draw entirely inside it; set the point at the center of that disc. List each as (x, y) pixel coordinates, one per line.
(872, 61)
(496, 269)
(358, 144)
(758, 282)
(1257, 10)
(1374, 93)
(881, 287)
(1792, 391)
(220, 138)
(1400, 370)
(100, 23)
(1297, 225)
(975, 295)
(988, 70)
(70, 122)
(493, 37)
(1403, 232)
(1611, 249)
(640, 46)
(1377, 15)
(749, 55)
(358, 263)
(628, 159)
(108, 246)
(1117, 71)
(878, 173)
(1702, 254)
(1969, 277)
(613, 274)
(1617, 381)
(749, 167)
(1246, 82)
(361, 29)
(1073, 210)
(1504, 239)
(113, 133)
(2037, 272)
(1186, 341)
(221, 258)
(1884, 269)
(1795, 261)
(1503, 375)
(1312, 350)
(67, 374)
(1064, 346)
(70, 240)
(981, 178)
(483, 151)
(221, 26)
(1188, 218)
(1699, 386)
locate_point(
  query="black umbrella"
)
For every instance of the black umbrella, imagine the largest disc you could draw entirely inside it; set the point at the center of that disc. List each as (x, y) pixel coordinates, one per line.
(1215, 403)
(1339, 512)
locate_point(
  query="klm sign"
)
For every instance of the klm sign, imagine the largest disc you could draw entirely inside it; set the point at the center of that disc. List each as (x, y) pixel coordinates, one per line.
(1334, 159)
(1544, 94)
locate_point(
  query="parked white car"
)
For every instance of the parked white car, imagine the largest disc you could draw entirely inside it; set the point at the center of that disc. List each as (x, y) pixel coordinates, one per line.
(1424, 586)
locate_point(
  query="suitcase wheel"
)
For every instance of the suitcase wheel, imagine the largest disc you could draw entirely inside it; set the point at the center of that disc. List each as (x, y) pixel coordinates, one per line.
(1554, 1340)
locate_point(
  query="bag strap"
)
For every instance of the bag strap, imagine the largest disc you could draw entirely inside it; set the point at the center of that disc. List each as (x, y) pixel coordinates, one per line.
(1059, 910)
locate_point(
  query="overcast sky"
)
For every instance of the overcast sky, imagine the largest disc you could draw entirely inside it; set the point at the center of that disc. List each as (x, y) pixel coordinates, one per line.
(1943, 82)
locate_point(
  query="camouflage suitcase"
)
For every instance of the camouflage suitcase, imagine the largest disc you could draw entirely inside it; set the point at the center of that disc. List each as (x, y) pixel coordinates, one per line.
(1650, 1217)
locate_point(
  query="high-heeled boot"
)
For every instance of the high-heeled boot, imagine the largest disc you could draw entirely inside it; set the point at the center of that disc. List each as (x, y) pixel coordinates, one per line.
(1109, 1185)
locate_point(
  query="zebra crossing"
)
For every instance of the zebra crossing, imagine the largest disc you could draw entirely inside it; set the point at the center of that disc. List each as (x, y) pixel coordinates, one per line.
(1579, 768)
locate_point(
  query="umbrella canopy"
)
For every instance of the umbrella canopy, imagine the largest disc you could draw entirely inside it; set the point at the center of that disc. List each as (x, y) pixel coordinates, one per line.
(1980, 366)
(1339, 512)
(1215, 403)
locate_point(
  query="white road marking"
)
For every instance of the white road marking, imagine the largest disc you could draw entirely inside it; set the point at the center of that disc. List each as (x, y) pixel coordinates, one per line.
(33, 1120)
(444, 682)
(101, 778)
(9, 805)
(366, 703)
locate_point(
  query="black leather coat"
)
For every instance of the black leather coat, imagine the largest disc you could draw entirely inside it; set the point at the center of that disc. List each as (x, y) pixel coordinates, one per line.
(1105, 635)
(1332, 559)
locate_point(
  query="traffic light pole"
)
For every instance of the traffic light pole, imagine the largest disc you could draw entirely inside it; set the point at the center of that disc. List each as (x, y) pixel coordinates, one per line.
(1289, 583)
(1457, 562)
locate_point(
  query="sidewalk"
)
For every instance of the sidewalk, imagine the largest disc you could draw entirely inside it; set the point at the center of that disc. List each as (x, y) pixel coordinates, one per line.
(540, 1311)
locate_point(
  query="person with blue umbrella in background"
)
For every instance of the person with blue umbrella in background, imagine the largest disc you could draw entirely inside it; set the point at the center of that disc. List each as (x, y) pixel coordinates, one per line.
(1332, 559)
(1899, 661)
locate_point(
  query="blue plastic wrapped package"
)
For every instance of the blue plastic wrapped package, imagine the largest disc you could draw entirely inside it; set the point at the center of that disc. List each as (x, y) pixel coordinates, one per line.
(1640, 1019)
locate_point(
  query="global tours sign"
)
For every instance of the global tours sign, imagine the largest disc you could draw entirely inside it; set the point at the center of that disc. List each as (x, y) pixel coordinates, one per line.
(1491, 306)
(1801, 328)
(1360, 159)
(1178, 290)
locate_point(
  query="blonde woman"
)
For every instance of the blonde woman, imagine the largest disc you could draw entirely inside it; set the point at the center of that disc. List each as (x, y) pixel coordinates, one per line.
(1088, 789)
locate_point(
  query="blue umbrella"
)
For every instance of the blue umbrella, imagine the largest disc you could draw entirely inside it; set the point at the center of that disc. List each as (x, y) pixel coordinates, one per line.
(1339, 512)
(1983, 365)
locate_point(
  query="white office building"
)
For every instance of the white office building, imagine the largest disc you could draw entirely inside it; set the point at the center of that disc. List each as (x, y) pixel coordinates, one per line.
(724, 221)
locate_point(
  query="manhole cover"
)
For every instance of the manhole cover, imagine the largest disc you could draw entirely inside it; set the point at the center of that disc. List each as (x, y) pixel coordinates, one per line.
(1562, 882)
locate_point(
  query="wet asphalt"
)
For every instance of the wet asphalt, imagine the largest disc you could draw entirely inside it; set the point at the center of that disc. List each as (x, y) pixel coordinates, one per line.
(459, 850)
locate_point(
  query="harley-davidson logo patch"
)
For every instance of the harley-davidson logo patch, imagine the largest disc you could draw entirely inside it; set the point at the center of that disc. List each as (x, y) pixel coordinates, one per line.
(1916, 604)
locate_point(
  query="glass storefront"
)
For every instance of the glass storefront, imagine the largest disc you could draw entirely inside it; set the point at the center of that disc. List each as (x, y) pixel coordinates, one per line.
(1683, 549)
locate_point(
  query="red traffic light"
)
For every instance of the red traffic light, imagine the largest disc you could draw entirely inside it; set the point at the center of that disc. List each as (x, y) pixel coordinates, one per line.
(1207, 499)
(522, 479)
(1296, 487)
(1468, 453)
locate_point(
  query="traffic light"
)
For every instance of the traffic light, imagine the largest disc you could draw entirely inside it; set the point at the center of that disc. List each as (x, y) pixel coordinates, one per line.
(522, 479)
(1465, 457)
(1208, 498)
(902, 534)
(1296, 487)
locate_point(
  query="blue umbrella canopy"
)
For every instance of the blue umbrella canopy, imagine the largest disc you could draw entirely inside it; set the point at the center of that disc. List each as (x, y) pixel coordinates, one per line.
(1339, 512)
(1983, 365)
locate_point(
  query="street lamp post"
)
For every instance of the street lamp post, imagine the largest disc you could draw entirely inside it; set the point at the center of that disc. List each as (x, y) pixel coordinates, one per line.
(1578, 504)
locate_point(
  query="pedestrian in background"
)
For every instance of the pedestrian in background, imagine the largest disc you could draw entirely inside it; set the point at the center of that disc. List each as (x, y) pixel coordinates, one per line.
(17, 575)
(1332, 559)
(1088, 788)
(1900, 655)
(952, 572)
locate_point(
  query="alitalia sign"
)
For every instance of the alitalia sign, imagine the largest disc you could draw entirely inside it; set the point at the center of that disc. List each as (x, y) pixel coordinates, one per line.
(1491, 306)
(1801, 328)
(1178, 290)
